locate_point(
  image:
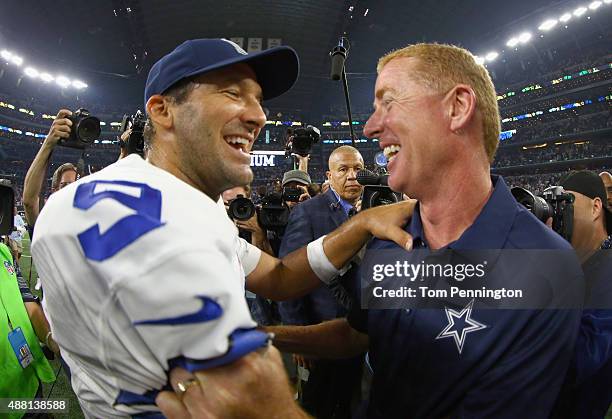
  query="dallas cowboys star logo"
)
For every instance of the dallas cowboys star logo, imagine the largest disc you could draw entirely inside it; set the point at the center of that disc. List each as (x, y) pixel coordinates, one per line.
(459, 325)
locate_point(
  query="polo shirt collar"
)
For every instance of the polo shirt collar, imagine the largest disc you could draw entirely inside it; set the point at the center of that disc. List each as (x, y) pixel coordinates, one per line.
(491, 228)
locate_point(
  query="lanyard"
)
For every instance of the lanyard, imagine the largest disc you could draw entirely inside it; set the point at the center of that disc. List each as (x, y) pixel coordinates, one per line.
(6, 311)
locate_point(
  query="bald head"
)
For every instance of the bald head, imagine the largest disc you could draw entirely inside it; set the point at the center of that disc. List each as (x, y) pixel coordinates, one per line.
(607, 180)
(344, 163)
(343, 149)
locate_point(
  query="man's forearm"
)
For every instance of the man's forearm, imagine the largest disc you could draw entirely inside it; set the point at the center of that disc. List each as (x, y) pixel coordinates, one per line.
(34, 180)
(332, 339)
(38, 320)
(292, 276)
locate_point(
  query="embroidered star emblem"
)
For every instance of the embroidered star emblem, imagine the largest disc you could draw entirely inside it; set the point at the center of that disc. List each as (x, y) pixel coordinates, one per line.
(459, 325)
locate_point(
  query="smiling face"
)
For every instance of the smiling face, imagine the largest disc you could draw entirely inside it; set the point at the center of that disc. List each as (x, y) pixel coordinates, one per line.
(409, 123)
(215, 128)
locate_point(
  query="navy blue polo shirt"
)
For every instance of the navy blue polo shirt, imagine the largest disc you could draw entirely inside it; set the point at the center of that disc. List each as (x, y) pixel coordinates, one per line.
(473, 362)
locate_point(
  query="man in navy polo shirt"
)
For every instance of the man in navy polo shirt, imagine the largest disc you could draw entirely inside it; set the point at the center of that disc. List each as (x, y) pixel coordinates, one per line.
(437, 120)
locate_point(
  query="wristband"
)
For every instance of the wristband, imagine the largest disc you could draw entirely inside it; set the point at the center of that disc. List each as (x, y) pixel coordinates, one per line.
(319, 263)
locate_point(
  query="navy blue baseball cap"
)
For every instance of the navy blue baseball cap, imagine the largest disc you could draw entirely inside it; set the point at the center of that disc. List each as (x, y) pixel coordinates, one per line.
(277, 69)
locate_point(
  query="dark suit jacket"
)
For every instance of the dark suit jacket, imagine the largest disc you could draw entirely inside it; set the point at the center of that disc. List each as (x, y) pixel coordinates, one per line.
(308, 221)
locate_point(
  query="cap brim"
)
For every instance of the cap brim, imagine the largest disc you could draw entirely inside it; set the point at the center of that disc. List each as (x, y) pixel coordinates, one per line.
(277, 69)
(302, 181)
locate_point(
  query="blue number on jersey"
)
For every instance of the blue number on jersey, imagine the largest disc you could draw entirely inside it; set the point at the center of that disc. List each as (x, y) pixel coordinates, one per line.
(99, 246)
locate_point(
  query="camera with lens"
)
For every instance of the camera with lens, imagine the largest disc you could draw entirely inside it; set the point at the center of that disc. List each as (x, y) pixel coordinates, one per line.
(292, 194)
(85, 130)
(135, 142)
(376, 192)
(7, 206)
(274, 213)
(374, 196)
(300, 140)
(241, 208)
(554, 203)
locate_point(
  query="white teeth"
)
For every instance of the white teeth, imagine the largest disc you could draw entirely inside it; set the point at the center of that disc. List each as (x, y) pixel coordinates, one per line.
(237, 140)
(391, 150)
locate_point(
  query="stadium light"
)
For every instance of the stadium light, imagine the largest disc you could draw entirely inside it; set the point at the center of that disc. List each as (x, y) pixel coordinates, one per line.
(607, 1)
(491, 56)
(595, 5)
(512, 42)
(17, 60)
(580, 11)
(524, 37)
(62, 81)
(46, 77)
(479, 60)
(31, 72)
(78, 84)
(566, 16)
(6, 55)
(548, 25)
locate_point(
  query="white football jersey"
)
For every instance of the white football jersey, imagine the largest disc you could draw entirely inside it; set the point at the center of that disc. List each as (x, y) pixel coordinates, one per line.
(141, 272)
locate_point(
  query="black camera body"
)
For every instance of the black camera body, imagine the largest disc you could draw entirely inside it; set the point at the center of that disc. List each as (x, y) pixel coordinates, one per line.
(301, 140)
(241, 208)
(292, 194)
(376, 195)
(135, 142)
(274, 213)
(7, 205)
(375, 189)
(554, 203)
(85, 130)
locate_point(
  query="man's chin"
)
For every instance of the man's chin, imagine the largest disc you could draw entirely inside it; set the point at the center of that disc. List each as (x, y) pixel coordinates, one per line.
(349, 197)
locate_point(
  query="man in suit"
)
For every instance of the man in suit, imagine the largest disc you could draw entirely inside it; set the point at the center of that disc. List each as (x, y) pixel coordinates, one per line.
(330, 385)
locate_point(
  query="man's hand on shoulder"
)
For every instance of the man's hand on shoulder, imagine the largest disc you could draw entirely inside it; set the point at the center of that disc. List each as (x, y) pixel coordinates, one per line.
(387, 222)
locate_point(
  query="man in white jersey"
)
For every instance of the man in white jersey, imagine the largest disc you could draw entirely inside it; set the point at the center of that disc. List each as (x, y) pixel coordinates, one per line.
(127, 301)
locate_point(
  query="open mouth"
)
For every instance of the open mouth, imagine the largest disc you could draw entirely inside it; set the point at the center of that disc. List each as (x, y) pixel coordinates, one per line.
(238, 143)
(391, 151)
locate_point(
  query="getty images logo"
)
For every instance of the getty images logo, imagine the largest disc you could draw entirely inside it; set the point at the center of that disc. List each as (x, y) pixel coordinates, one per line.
(237, 47)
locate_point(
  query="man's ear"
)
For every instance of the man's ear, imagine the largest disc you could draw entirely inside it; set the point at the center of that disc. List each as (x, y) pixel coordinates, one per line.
(597, 210)
(328, 174)
(158, 109)
(461, 102)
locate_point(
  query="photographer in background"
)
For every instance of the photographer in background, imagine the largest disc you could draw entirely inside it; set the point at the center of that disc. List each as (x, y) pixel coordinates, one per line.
(262, 309)
(295, 187)
(329, 385)
(587, 391)
(63, 176)
(249, 229)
